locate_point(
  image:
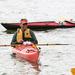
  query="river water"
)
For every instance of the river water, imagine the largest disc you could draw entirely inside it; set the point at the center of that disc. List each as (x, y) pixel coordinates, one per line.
(53, 59)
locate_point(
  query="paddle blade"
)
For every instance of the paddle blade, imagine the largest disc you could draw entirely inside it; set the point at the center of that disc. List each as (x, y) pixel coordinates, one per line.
(73, 71)
(60, 16)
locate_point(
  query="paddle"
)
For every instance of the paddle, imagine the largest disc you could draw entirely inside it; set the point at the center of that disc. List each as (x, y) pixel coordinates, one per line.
(73, 71)
(35, 44)
(66, 18)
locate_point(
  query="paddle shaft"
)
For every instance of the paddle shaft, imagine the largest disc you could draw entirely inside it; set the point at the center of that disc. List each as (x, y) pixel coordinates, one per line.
(34, 44)
(12, 45)
(49, 44)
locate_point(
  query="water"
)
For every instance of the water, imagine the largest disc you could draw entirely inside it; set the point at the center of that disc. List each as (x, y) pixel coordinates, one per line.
(54, 59)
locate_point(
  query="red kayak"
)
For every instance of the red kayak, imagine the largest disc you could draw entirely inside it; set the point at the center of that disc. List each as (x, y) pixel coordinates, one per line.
(40, 25)
(29, 52)
(32, 25)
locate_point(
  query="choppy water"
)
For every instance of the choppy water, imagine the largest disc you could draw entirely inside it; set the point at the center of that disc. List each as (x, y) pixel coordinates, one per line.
(54, 60)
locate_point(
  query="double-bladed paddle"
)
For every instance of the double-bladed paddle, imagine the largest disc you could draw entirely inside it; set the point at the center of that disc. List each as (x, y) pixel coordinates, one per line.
(34, 44)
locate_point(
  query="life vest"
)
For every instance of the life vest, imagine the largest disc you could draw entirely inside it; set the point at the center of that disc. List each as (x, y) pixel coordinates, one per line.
(20, 34)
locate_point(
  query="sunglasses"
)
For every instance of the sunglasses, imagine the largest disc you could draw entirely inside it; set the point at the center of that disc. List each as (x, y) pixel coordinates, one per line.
(24, 23)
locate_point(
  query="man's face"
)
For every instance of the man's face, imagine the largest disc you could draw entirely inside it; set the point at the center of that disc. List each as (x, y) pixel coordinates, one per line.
(23, 25)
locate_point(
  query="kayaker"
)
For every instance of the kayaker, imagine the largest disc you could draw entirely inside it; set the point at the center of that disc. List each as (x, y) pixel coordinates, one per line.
(23, 34)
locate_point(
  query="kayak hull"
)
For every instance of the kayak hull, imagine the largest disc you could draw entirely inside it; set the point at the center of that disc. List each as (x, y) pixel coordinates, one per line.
(28, 52)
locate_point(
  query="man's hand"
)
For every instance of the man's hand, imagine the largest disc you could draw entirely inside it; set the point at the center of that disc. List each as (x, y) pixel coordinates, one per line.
(21, 41)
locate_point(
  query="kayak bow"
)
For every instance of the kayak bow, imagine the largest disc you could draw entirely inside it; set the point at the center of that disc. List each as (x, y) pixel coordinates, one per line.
(29, 52)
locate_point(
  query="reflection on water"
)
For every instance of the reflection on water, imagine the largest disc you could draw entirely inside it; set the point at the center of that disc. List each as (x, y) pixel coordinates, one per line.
(12, 31)
(9, 31)
(23, 66)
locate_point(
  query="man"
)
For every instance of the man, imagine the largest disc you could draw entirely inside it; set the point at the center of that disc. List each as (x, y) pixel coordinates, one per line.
(23, 34)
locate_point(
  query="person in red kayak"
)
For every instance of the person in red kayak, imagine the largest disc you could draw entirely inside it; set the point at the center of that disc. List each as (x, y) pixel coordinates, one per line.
(24, 34)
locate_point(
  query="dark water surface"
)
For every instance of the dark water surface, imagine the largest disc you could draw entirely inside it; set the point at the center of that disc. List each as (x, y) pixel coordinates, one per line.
(54, 59)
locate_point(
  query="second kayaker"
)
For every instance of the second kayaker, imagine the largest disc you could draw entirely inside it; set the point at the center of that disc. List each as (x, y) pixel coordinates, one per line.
(23, 34)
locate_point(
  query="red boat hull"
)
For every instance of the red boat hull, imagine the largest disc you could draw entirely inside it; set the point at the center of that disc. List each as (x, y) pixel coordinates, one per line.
(28, 52)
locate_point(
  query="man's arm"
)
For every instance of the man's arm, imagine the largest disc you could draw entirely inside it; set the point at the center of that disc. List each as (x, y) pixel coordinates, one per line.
(34, 39)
